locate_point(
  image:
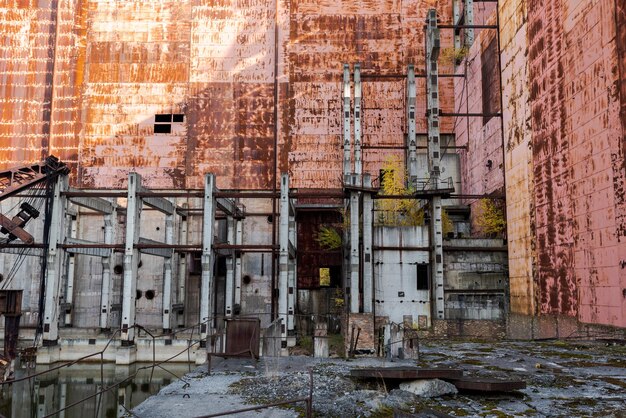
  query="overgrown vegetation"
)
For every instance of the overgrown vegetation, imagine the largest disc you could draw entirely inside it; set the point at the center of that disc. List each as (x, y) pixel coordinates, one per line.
(452, 55)
(329, 238)
(490, 220)
(397, 212)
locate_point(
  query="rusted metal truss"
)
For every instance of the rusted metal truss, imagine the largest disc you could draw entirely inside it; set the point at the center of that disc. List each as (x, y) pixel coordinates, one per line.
(17, 179)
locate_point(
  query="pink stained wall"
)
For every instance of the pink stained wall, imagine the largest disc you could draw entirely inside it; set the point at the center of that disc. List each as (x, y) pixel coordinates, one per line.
(568, 254)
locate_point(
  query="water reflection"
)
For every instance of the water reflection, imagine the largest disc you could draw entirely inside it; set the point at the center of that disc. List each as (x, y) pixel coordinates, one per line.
(61, 388)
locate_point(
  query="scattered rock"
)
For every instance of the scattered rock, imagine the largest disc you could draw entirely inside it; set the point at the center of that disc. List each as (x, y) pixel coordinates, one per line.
(429, 388)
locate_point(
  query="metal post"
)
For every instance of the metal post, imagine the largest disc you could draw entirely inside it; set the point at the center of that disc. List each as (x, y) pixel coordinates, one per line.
(368, 209)
(207, 285)
(230, 269)
(167, 274)
(358, 164)
(105, 300)
(354, 247)
(347, 168)
(182, 269)
(433, 44)
(283, 268)
(238, 241)
(53, 267)
(131, 259)
(291, 282)
(456, 17)
(411, 99)
(469, 21)
(71, 266)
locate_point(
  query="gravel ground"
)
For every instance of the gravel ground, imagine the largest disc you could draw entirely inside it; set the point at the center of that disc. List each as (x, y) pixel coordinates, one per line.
(565, 379)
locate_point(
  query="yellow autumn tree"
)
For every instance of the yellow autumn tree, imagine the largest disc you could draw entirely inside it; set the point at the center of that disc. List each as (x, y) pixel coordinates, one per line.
(491, 220)
(397, 212)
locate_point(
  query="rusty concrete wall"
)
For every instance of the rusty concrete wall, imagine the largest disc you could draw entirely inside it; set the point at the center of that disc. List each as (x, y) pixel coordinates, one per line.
(384, 37)
(565, 233)
(518, 160)
(115, 65)
(41, 59)
(478, 92)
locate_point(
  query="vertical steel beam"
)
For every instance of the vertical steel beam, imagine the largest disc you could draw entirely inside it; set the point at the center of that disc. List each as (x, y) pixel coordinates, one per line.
(411, 92)
(229, 296)
(456, 20)
(469, 21)
(358, 163)
(433, 44)
(283, 267)
(131, 258)
(291, 297)
(53, 265)
(207, 285)
(354, 246)
(167, 274)
(347, 157)
(182, 269)
(105, 299)
(368, 210)
(70, 271)
(238, 241)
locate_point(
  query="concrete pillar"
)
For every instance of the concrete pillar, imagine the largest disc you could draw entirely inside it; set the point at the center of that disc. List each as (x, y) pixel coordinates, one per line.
(105, 298)
(411, 141)
(238, 241)
(354, 248)
(368, 224)
(320, 340)
(347, 157)
(207, 280)
(436, 260)
(131, 259)
(182, 269)
(70, 271)
(167, 274)
(291, 281)
(283, 261)
(358, 163)
(469, 20)
(53, 265)
(229, 296)
(433, 44)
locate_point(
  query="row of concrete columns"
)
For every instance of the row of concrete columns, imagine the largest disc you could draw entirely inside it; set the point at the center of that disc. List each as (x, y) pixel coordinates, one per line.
(60, 263)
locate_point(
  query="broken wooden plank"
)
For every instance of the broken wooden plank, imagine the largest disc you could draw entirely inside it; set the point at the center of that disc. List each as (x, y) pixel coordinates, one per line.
(407, 373)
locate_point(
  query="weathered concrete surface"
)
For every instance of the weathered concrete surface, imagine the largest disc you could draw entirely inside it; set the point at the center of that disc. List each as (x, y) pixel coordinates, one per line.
(573, 378)
(565, 208)
(204, 395)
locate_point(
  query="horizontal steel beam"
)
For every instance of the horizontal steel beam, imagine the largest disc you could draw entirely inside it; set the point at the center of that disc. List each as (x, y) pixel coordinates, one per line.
(155, 248)
(93, 202)
(80, 246)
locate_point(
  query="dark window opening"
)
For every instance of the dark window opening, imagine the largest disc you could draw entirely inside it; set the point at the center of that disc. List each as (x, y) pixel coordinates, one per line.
(163, 122)
(422, 277)
(163, 118)
(490, 81)
(164, 128)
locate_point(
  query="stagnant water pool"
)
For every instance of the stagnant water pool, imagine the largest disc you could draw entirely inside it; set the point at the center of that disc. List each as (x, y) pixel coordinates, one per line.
(49, 393)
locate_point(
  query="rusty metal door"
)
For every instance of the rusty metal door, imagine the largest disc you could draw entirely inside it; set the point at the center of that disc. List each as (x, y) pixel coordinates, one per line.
(243, 336)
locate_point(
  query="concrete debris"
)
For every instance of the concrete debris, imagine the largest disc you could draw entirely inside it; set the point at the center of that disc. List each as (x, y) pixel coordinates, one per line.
(430, 388)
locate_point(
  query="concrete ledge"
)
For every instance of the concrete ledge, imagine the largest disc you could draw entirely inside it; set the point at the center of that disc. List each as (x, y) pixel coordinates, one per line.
(527, 327)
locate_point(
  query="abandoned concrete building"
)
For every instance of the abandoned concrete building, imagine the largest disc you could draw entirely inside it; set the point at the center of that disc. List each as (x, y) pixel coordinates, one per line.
(450, 168)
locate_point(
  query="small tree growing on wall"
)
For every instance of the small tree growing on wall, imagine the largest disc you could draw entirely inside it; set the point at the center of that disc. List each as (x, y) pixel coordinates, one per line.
(397, 212)
(490, 220)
